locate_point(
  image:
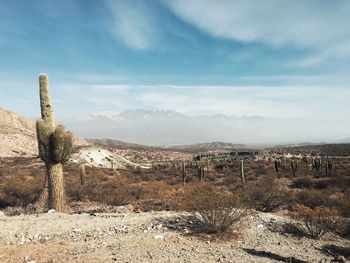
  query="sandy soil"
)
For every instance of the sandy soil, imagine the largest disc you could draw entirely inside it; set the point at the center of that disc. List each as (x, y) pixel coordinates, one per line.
(153, 237)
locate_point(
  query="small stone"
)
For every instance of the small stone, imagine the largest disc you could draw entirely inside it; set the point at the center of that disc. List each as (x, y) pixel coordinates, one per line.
(339, 259)
(51, 211)
(158, 237)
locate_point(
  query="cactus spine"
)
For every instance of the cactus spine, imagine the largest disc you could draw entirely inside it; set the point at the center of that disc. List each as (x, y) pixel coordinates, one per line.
(54, 146)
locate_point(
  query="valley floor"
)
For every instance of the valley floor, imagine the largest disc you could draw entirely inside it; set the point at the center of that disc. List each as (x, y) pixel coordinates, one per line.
(153, 237)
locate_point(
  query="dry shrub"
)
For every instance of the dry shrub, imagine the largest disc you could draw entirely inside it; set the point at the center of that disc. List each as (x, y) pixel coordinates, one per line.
(331, 197)
(344, 204)
(215, 210)
(266, 195)
(156, 195)
(156, 190)
(114, 191)
(19, 191)
(313, 198)
(315, 221)
(304, 182)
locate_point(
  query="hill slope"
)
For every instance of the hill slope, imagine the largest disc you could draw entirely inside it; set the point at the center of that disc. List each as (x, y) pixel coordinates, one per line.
(18, 136)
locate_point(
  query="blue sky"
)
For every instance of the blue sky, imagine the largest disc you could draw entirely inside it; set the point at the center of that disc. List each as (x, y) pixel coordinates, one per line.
(280, 59)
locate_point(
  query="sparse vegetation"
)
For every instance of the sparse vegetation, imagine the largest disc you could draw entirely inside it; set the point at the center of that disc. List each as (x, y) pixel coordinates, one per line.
(266, 195)
(217, 201)
(315, 221)
(215, 210)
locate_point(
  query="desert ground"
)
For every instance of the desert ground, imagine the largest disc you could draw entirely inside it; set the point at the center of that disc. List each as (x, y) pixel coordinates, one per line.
(140, 212)
(126, 236)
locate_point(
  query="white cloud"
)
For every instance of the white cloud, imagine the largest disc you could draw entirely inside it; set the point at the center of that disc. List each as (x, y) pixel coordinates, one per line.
(132, 23)
(284, 102)
(321, 26)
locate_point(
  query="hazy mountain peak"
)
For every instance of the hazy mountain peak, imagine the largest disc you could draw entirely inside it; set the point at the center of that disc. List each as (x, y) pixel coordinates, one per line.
(161, 127)
(149, 113)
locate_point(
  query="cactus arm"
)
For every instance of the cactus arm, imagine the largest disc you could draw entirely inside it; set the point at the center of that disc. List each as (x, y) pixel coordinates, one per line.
(45, 100)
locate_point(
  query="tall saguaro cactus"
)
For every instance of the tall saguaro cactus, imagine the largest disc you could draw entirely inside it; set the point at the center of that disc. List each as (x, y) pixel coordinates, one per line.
(55, 146)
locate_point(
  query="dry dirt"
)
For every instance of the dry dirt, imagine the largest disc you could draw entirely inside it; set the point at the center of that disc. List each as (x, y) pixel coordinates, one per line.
(152, 237)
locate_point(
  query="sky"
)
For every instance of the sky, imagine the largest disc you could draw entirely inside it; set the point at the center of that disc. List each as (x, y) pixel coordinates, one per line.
(271, 58)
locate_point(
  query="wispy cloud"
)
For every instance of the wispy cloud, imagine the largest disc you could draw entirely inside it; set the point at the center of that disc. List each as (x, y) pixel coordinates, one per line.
(132, 23)
(283, 102)
(321, 27)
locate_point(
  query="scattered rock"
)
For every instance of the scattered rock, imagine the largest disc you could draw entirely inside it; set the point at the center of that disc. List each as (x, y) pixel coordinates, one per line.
(339, 259)
(126, 209)
(158, 237)
(158, 227)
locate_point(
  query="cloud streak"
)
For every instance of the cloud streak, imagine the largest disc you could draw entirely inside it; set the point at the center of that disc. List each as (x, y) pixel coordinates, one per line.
(132, 23)
(282, 102)
(321, 26)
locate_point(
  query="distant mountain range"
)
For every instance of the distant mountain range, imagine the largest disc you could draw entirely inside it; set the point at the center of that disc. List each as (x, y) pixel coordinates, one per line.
(174, 131)
(170, 128)
(211, 146)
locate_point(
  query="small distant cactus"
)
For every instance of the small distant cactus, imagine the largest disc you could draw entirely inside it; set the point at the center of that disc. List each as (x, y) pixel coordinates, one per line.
(277, 165)
(55, 145)
(201, 173)
(329, 167)
(82, 173)
(316, 166)
(294, 165)
(280, 165)
(183, 172)
(242, 172)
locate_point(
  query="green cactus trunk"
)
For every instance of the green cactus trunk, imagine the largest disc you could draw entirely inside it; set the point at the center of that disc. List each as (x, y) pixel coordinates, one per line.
(54, 147)
(56, 189)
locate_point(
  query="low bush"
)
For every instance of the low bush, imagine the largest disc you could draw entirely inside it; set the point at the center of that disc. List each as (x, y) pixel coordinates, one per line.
(315, 221)
(114, 191)
(303, 182)
(265, 195)
(313, 198)
(19, 191)
(214, 210)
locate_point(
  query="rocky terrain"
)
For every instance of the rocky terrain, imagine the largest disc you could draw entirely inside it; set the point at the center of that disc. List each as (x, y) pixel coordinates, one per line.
(18, 139)
(98, 157)
(18, 136)
(125, 236)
